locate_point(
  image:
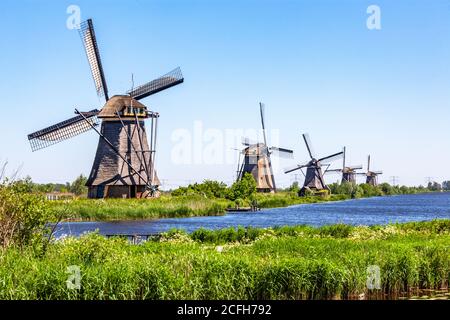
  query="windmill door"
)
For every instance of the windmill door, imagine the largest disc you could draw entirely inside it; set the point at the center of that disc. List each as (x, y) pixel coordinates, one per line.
(100, 191)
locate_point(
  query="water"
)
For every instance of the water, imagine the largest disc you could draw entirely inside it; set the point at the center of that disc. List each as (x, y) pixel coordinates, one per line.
(370, 211)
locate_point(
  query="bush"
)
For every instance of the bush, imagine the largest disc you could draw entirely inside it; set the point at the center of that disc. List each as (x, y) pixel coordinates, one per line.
(207, 189)
(244, 188)
(23, 216)
(79, 186)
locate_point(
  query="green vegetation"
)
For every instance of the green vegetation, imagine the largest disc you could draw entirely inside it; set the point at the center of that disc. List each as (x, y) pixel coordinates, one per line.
(77, 186)
(365, 190)
(298, 262)
(23, 217)
(165, 206)
(281, 263)
(240, 190)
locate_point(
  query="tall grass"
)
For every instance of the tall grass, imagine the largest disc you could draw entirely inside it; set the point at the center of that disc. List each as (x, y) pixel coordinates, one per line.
(284, 199)
(281, 263)
(163, 207)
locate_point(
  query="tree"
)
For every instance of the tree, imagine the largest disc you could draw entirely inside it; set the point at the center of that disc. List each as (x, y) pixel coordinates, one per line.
(23, 216)
(25, 185)
(208, 189)
(434, 186)
(294, 187)
(387, 189)
(446, 185)
(244, 188)
(79, 185)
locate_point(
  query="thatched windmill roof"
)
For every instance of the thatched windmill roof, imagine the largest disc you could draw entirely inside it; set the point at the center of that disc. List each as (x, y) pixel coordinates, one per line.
(118, 103)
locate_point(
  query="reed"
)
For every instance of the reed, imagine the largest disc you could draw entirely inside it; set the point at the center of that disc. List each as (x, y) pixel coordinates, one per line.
(281, 263)
(133, 209)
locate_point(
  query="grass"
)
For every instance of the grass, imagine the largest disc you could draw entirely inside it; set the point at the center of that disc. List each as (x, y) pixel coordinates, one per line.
(133, 209)
(284, 199)
(168, 206)
(298, 262)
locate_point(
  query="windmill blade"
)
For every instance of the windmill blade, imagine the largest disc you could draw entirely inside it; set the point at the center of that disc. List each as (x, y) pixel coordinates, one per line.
(309, 145)
(164, 82)
(282, 153)
(87, 35)
(343, 159)
(291, 169)
(368, 162)
(332, 157)
(296, 167)
(63, 130)
(358, 167)
(333, 171)
(262, 110)
(377, 172)
(321, 180)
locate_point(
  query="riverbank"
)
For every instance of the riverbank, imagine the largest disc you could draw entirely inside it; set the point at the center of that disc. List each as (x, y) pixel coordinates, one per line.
(300, 262)
(168, 206)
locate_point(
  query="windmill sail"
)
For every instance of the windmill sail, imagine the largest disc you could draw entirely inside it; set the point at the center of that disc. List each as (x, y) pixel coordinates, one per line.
(262, 108)
(87, 35)
(357, 167)
(282, 152)
(309, 145)
(295, 167)
(332, 157)
(63, 130)
(164, 82)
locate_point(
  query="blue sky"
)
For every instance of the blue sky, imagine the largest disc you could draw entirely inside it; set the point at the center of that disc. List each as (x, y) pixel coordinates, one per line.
(315, 65)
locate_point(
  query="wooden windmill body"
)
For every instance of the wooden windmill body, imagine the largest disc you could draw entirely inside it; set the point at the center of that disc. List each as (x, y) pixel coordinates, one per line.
(348, 172)
(123, 125)
(124, 164)
(257, 162)
(371, 176)
(314, 180)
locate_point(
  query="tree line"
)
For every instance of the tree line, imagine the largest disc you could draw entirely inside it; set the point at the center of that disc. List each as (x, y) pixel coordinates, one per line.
(77, 186)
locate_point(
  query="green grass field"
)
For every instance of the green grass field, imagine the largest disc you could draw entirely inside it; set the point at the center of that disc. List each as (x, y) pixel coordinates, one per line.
(281, 263)
(134, 209)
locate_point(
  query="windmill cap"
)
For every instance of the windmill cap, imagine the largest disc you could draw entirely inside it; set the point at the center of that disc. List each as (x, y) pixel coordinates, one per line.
(118, 103)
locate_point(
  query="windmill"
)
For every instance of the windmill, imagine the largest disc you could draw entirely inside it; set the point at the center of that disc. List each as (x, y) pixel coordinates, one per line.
(348, 172)
(314, 175)
(124, 164)
(371, 176)
(256, 159)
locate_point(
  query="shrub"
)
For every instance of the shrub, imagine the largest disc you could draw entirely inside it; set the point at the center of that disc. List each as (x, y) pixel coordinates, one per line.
(23, 216)
(244, 188)
(207, 189)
